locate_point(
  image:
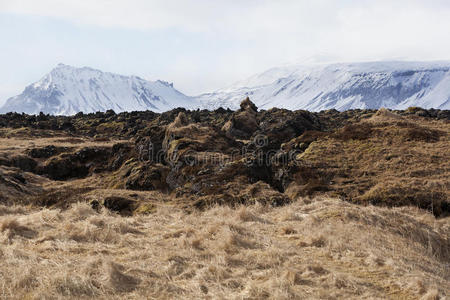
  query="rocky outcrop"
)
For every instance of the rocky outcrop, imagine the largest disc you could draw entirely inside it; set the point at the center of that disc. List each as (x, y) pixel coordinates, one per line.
(242, 123)
(202, 158)
(46, 152)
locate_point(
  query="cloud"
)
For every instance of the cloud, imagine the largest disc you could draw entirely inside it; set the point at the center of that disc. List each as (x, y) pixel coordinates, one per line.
(222, 41)
(244, 17)
(200, 15)
(289, 23)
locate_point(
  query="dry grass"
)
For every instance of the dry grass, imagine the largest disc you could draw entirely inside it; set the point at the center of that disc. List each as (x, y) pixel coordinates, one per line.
(323, 248)
(20, 144)
(386, 160)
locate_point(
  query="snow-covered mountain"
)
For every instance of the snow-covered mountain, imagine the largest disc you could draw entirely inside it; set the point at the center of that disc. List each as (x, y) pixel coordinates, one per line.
(395, 85)
(67, 90)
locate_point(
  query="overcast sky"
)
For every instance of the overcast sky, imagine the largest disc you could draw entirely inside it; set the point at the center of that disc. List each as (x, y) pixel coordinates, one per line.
(202, 45)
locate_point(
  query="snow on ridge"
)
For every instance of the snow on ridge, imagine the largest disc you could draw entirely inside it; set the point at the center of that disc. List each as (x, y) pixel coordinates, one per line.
(67, 90)
(342, 86)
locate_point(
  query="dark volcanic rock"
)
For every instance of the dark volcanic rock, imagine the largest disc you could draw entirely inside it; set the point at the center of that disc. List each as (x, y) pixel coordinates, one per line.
(46, 152)
(63, 169)
(76, 165)
(121, 205)
(24, 163)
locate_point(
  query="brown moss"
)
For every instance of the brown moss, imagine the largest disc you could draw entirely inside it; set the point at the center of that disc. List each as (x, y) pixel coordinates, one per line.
(401, 194)
(61, 198)
(419, 133)
(359, 131)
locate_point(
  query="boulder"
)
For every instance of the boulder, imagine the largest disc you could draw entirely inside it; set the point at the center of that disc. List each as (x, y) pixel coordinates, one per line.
(246, 104)
(122, 205)
(242, 123)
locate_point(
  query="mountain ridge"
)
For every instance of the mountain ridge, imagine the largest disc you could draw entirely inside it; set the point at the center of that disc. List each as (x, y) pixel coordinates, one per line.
(67, 90)
(342, 86)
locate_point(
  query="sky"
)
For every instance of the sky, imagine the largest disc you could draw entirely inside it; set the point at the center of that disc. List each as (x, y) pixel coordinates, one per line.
(204, 45)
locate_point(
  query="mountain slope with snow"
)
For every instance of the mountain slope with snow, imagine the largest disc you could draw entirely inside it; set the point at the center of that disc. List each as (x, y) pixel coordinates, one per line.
(395, 85)
(67, 90)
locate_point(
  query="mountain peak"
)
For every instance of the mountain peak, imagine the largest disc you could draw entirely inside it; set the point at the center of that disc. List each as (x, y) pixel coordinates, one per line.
(63, 68)
(62, 65)
(67, 90)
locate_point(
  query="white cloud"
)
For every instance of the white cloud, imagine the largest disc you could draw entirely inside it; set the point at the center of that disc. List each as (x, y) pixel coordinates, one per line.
(242, 18)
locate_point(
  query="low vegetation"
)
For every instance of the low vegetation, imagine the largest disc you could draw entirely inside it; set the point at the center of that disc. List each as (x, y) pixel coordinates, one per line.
(319, 248)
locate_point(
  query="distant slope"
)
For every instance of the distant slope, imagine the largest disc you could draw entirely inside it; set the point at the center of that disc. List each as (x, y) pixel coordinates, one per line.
(67, 90)
(395, 85)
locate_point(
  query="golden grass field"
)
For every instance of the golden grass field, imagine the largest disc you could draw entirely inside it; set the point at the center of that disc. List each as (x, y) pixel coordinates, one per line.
(321, 249)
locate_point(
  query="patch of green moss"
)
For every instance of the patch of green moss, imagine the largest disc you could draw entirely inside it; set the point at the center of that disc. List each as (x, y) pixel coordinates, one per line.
(145, 209)
(110, 127)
